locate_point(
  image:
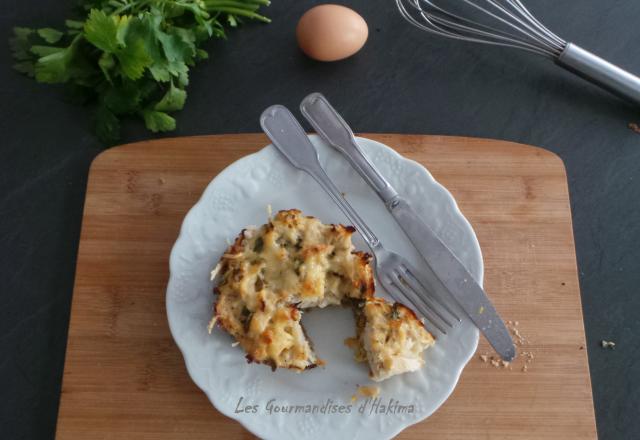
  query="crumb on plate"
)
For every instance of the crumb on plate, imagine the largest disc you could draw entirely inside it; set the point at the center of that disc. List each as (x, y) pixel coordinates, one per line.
(369, 391)
(212, 323)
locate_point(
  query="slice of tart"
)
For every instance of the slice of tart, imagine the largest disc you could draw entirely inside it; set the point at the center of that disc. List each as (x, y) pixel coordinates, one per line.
(390, 338)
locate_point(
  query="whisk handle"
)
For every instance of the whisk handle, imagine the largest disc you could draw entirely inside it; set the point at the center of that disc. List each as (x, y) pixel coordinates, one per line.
(600, 72)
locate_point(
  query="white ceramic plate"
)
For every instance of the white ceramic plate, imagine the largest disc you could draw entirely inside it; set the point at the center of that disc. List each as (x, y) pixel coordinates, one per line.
(238, 197)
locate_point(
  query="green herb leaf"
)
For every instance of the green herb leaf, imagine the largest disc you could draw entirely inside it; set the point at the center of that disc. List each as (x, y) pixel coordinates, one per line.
(106, 63)
(172, 100)
(123, 98)
(55, 67)
(22, 33)
(50, 35)
(107, 125)
(74, 24)
(134, 59)
(26, 67)
(101, 30)
(20, 44)
(158, 121)
(129, 57)
(43, 51)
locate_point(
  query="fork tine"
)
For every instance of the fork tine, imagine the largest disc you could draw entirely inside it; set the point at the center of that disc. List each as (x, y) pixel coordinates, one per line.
(429, 305)
(393, 287)
(410, 297)
(418, 286)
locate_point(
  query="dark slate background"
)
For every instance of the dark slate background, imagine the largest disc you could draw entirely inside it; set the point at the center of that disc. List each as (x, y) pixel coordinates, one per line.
(403, 81)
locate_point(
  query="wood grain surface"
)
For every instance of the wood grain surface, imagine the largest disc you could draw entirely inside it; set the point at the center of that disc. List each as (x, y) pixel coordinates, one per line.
(124, 377)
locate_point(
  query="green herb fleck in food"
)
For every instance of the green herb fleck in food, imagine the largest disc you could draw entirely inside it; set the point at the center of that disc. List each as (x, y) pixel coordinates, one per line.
(245, 318)
(258, 245)
(129, 57)
(395, 312)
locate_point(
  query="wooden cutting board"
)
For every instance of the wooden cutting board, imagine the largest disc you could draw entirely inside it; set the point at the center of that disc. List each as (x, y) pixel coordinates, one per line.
(125, 378)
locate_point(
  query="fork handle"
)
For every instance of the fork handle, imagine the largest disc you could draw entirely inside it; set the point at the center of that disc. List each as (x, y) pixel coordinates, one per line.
(336, 132)
(327, 184)
(290, 139)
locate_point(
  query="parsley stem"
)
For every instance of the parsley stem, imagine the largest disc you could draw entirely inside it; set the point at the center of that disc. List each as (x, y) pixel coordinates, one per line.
(242, 12)
(138, 5)
(239, 3)
(247, 6)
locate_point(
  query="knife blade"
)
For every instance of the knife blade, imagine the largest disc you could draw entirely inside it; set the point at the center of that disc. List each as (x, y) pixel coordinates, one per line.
(455, 277)
(441, 261)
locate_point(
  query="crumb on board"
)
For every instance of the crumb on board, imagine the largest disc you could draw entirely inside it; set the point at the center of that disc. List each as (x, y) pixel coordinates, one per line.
(527, 356)
(354, 398)
(235, 344)
(481, 310)
(635, 127)
(524, 359)
(161, 181)
(269, 211)
(518, 338)
(607, 344)
(495, 361)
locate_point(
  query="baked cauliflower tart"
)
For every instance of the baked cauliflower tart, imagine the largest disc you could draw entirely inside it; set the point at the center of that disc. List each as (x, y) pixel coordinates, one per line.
(272, 273)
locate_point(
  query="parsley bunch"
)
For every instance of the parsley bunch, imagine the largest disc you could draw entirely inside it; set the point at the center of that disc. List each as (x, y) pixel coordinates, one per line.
(129, 57)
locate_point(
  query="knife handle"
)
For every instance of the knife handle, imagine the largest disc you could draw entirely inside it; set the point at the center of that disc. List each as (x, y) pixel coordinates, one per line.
(290, 139)
(336, 132)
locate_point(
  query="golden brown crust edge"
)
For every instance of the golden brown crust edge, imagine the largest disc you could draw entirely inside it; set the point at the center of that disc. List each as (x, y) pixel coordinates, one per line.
(365, 281)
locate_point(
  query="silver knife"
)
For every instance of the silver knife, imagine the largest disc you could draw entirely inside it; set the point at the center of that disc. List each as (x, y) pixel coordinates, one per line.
(442, 263)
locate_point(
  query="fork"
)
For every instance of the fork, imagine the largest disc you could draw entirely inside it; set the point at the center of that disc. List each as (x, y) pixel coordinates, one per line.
(399, 277)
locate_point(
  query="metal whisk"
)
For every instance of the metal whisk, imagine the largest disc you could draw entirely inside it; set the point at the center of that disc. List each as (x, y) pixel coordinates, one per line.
(509, 23)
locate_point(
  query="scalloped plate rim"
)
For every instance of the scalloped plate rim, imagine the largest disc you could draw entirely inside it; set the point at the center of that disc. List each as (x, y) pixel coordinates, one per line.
(475, 247)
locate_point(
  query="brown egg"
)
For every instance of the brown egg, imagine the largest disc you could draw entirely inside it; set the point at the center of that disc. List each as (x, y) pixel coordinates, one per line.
(331, 32)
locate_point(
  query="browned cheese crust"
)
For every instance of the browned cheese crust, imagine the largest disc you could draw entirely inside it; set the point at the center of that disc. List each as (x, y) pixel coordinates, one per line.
(269, 275)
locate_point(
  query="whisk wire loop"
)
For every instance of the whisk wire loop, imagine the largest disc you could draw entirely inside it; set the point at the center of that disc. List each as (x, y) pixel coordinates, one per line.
(509, 23)
(515, 26)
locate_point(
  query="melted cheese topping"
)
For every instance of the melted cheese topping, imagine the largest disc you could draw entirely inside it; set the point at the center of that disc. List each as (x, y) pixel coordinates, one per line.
(291, 263)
